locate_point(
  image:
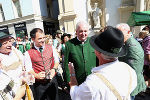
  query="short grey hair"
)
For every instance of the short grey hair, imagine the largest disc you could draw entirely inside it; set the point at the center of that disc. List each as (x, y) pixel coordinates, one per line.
(123, 27)
(81, 22)
(108, 57)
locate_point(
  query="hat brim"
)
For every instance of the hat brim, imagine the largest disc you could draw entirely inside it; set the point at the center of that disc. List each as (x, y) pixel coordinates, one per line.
(5, 36)
(120, 54)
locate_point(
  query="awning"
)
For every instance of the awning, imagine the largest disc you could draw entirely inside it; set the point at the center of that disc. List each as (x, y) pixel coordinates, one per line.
(139, 18)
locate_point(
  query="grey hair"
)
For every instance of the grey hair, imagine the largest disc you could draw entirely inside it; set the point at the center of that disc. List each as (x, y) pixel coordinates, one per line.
(123, 26)
(81, 22)
(108, 57)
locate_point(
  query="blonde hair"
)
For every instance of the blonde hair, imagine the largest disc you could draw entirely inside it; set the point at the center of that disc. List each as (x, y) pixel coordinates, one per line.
(47, 39)
(143, 34)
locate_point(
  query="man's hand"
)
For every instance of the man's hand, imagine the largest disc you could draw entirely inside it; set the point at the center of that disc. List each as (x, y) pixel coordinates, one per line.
(71, 68)
(40, 75)
(20, 92)
(73, 80)
(52, 73)
(27, 77)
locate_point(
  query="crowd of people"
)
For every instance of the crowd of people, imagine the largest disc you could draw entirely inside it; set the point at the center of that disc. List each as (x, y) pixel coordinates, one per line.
(112, 65)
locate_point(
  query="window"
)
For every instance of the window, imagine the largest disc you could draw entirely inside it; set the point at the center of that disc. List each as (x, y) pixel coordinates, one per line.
(49, 8)
(127, 2)
(16, 8)
(2, 17)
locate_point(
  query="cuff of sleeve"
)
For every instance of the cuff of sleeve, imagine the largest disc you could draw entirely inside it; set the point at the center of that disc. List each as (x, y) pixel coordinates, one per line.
(72, 92)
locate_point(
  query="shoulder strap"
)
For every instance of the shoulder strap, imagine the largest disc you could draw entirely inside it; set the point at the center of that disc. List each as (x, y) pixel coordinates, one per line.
(14, 65)
(112, 88)
(130, 83)
(109, 85)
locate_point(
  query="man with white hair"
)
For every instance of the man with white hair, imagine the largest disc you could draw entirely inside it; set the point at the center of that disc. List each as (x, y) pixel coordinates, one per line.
(134, 57)
(79, 51)
(112, 79)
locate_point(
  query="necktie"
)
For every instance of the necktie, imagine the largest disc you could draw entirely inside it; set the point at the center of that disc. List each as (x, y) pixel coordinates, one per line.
(41, 49)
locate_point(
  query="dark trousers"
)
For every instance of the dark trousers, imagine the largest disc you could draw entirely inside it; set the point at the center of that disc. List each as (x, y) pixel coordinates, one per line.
(45, 90)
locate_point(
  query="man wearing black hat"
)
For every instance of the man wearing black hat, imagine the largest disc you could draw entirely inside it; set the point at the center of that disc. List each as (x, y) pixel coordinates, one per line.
(111, 80)
(10, 69)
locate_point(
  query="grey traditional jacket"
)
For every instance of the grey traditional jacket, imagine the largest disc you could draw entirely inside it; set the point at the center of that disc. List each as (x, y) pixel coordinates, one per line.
(135, 58)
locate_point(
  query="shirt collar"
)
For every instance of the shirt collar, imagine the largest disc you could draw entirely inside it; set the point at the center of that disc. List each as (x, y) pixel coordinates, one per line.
(97, 69)
(38, 47)
(81, 41)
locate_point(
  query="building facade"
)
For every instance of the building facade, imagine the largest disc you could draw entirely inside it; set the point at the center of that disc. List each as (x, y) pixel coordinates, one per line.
(98, 13)
(19, 17)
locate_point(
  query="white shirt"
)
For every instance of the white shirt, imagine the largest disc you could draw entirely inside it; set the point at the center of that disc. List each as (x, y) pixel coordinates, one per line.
(28, 63)
(12, 74)
(94, 88)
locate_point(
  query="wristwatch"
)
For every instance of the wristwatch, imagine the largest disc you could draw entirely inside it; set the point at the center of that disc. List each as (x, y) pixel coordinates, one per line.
(72, 74)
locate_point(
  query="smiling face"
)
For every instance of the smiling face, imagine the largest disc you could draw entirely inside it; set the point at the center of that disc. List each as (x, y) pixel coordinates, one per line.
(39, 39)
(6, 45)
(82, 31)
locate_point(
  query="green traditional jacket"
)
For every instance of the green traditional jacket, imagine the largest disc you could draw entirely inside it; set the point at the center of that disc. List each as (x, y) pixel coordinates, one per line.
(135, 58)
(82, 56)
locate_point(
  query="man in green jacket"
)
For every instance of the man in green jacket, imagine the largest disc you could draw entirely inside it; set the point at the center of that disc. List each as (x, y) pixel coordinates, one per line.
(79, 52)
(134, 57)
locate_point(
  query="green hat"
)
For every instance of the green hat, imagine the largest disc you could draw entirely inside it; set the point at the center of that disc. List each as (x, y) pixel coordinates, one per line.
(4, 35)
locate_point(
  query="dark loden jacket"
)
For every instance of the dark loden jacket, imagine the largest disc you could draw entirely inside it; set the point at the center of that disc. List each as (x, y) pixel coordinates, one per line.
(82, 56)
